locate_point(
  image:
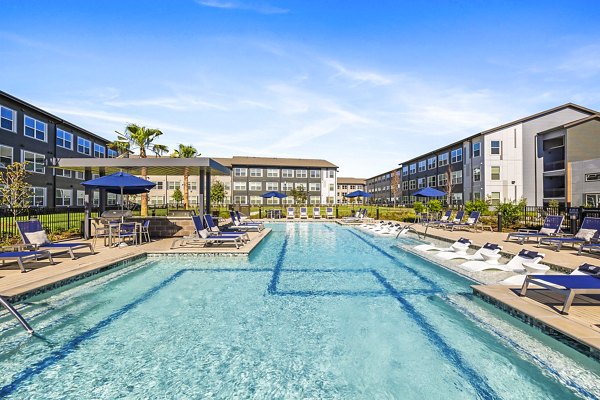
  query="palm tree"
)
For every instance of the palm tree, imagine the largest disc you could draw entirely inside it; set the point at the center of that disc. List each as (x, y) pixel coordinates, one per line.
(140, 137)
(185, 151)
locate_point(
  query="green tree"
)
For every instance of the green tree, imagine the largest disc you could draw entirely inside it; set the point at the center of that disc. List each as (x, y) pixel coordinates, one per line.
(142, 138)
(185, 151)
(15, 192)
(177, 196)
(395, 185)
(299, 195)
(217, 192)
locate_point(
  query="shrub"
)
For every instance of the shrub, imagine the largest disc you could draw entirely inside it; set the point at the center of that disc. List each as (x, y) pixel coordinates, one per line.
(511, 211)
(435, 206)
(477, 205)
(418, 207)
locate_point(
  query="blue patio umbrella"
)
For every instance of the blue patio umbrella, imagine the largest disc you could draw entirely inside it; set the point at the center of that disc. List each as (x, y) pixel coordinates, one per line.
(268, 195)
(358, 193)
(120, 183)
(429, 192)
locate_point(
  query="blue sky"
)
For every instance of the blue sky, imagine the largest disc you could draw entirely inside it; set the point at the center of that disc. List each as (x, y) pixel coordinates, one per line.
(364, 84)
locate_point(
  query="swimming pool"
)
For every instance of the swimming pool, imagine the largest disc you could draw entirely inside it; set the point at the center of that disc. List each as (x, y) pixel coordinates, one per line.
(317, 311)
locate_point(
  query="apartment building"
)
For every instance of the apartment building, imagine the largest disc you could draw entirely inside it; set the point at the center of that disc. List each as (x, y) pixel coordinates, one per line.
(253, 176)
(504, 163)
(380, 186)
(28, 133)
(348, 185)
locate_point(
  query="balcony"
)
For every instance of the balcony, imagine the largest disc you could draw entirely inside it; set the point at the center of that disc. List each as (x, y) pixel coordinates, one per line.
(554, 193)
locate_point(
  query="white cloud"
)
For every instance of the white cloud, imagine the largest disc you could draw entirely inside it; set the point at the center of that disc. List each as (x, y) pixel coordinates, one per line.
(239, 5)
(359, 76)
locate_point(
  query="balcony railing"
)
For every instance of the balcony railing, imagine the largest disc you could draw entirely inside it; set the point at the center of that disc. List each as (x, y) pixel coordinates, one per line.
(554, 165)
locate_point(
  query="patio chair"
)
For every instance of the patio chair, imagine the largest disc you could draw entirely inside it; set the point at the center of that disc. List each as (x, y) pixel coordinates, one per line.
(204, 237)
(442, 220)
(329, 213)
(316, 212)
(514, 265)
(127, 231)
(471, 222)
(592, 245)
(214, 230)
(145, 230)
(21, 257)
(460, 246)
(33, 234)
(488, 248)
(303, 213)
(291, 213)
(587, 281)
(551, 227)
(457, 220)
(589, 231)
(244, 226)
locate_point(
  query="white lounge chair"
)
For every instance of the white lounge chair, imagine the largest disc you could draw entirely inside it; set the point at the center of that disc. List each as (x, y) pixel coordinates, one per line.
(488, 248)
(291, 213)
(329, 213)
(514, 265)
(317, 212)
(303, 213)
(460, 246)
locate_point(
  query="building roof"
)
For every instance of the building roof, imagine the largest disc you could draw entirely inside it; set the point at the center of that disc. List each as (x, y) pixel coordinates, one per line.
(572, 123)
(351, 181)
(274, 162)
(52, 116)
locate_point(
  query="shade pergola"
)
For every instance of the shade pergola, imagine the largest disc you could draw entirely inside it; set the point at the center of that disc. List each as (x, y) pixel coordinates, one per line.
(202, 167)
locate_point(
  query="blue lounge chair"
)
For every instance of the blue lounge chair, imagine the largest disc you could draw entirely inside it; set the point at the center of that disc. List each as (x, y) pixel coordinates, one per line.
(458, 219)
(21, 257)
(35, 226)
(571, 285)
(442, 220)
(590, 246)
(551, 227)
(244, 226)
(203, 236)
(588, 232)
(214, 230)
(471, 222)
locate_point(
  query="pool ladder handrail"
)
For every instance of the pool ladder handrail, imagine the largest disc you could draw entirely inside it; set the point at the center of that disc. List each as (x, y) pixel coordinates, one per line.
(410, 228)
(16, 314)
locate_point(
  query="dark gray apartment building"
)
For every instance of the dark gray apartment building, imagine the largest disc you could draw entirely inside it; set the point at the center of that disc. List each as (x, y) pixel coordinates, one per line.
(380, 186)
(28, 133)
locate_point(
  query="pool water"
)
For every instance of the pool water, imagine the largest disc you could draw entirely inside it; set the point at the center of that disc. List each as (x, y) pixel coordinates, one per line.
(317, 311)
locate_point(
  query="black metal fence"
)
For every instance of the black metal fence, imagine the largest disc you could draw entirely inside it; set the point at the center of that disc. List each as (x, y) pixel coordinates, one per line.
(533, 217)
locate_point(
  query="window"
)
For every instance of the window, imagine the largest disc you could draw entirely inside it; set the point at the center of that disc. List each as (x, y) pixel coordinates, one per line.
(64, 197)
(314, 187)
(79, 175)
(240, 200)
(431, 181)
(159, 185)
(95, 176)
(456, 156)
(240, 172)
(257, 200)
(442, 159)
(495, 198)
(226, 185)
(157, 200)
(420, 183)
(272, 173)
(477, 149)
(112, 153)
(457, 198)
(99, 151)
(412, 184)
(80, 198)
(36, 162)
(38, 197)
(431, 163)
(192, 185)
(270, 186)
(84, 146)
(96, 199)
(404, 185)
(111, 199)
(287, 173)
(331, 189)
(315, 173)
(285, 186)
(299, 186)
(442, 180)
(331, 173)
(7, 119)
(315, 200)
(301, 173)
(64, 139)
(476, 174)
(256, 172)
(287, 200)
(256, 186)
(413, 168)
(592, 200)
(495, 173)
(593, 177)
(172, 185)
(422, 165)
(35, 129)
(6, 156)
(456, 177)
(404, 171)
(495, 147)
(239, 186)
(62, 172)
(272, 201)
(476, 196)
